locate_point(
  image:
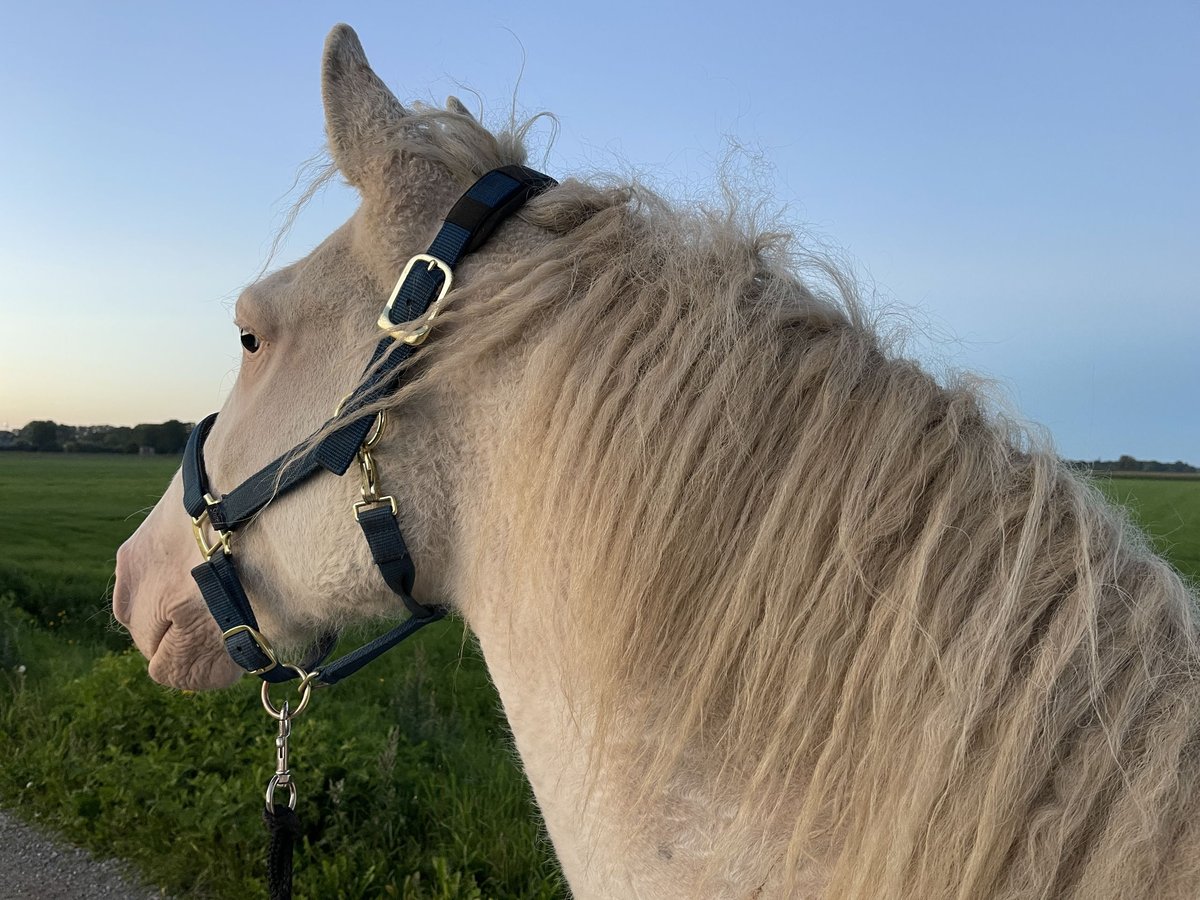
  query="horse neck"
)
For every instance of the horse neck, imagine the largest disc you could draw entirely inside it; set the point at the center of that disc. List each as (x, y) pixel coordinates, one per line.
(608, 843)
(609, 840)
(509, 595)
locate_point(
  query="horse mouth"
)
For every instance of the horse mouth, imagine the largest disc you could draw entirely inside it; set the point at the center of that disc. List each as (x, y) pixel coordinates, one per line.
(186, 654)
(187, 658)
(174, 632)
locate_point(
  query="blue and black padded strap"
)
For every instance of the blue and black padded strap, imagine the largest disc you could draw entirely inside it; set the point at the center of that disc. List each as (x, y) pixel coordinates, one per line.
(491, 200)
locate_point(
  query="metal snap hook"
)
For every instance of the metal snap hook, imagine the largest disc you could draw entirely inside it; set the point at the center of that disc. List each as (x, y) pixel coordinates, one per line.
(283, 774)
(275, 782)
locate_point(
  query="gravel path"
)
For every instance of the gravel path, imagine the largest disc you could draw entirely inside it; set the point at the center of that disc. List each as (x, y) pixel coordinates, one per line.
(35, 865)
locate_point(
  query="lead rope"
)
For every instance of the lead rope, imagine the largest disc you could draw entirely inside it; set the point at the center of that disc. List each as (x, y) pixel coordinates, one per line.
(283, 825)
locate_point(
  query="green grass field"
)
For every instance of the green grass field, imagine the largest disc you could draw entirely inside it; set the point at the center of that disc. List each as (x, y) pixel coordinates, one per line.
(1169, 511)
(408, 786)
(61, 520)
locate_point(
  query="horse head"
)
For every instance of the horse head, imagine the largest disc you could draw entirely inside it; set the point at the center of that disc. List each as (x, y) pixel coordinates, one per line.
(305, 333)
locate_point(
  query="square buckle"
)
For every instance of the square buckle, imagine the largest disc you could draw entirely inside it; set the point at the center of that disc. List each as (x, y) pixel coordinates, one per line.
(207, 550)
(415, 336)
(263, 645)
(362, 505)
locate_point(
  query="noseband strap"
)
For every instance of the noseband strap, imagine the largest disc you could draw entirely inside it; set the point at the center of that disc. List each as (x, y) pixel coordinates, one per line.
(418, 294)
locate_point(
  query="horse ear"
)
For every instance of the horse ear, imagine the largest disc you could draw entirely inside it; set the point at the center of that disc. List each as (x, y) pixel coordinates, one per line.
(359, 108)
(457, 106)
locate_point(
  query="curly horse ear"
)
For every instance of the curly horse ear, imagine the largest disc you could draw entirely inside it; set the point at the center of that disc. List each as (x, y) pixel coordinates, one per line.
(359, 108)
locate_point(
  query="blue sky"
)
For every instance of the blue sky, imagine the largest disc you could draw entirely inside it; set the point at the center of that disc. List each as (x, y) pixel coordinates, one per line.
(1019, 181)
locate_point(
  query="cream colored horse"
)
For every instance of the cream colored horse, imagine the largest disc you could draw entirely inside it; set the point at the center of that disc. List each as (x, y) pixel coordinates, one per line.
(772, 613)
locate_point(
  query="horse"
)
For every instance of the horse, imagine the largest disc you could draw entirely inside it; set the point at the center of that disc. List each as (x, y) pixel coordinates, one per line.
(772, 612)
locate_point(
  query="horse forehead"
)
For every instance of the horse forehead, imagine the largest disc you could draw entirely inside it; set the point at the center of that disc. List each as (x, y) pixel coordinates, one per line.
(331, 262)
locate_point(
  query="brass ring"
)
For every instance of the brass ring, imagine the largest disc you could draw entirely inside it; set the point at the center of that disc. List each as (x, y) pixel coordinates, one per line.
(305, 688)
(376, 429)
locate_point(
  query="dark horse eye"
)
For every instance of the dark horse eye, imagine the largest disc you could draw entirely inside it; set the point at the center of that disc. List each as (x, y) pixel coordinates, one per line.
(250, 341)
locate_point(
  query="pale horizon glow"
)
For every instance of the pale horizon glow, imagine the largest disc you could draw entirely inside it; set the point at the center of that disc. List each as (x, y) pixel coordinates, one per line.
(1019, 180)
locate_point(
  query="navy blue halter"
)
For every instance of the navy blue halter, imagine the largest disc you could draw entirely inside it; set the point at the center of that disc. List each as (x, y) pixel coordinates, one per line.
(419, 293)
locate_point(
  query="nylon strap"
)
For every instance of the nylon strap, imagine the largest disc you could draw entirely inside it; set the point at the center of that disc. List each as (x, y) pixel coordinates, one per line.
(390, 553)
(229, 605)
(356, 659)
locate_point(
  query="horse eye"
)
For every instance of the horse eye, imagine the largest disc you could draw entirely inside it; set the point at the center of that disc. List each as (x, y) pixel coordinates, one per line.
(250, 341)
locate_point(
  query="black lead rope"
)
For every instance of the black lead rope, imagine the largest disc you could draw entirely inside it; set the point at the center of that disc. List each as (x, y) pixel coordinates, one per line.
(419, 294)
(283, 830)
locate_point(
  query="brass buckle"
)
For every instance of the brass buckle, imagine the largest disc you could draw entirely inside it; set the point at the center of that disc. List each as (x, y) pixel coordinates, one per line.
(261, 642)
(401, 332)
(207, 550)
(363, 504)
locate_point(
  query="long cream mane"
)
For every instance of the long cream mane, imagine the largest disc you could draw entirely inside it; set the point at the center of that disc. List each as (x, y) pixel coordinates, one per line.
(904, 630)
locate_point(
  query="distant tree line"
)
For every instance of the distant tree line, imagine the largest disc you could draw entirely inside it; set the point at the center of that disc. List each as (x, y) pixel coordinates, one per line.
(1129, 464)
(45, 436)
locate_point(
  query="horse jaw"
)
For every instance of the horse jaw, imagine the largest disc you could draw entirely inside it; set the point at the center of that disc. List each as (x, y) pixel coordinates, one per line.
(155, 599)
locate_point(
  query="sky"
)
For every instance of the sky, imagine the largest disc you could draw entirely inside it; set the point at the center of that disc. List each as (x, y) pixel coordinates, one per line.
(1016, 184)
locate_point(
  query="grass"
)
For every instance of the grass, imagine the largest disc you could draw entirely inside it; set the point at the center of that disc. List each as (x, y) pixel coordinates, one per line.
(62, 519)
(408, 787)
(1169, 511)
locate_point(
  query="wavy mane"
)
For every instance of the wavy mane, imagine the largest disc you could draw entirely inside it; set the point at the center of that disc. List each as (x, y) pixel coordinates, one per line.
(901, 627)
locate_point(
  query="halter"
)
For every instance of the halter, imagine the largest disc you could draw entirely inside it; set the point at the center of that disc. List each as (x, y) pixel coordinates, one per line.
(419, 294)
(420, 291)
